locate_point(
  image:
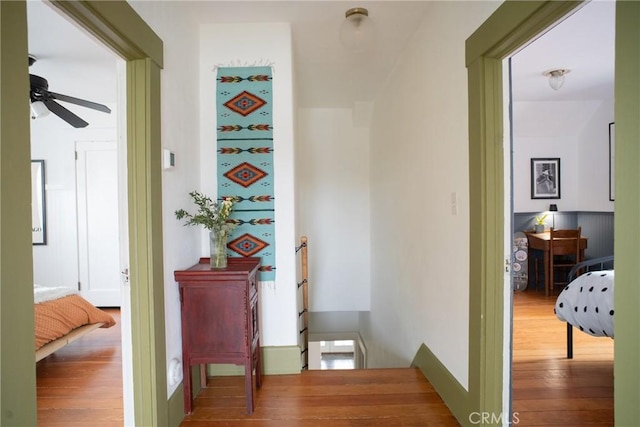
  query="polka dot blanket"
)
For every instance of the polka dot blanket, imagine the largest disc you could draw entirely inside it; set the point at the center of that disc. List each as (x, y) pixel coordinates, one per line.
(587, 303)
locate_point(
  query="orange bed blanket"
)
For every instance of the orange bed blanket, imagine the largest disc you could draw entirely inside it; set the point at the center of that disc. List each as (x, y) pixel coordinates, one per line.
(58, 317)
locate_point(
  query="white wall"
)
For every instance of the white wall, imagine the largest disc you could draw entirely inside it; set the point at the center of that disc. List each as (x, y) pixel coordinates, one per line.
(180, 134)
(258, 44)
(332, 161)
(577, 133)
(52, 139)
(593, 160)
(419, 160)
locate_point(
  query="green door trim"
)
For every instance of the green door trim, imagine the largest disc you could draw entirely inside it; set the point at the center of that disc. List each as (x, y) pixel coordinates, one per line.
(17, 358)
(506, 31)
(626, 369)
(118, 26)
(510, 27)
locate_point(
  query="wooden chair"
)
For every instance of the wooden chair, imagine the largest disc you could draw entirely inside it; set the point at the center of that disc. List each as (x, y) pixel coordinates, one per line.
(564, 254)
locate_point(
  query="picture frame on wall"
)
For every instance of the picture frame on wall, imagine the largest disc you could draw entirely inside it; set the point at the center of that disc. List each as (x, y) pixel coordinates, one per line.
(612, 163)
(545, 178)
(38, 203)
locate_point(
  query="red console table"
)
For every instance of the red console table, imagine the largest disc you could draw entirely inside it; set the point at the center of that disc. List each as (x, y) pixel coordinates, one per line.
(220, 321)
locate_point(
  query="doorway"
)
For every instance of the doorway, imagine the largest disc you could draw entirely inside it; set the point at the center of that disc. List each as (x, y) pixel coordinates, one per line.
(568, 123)
(505, 32)
(83, 188)
(119, 27)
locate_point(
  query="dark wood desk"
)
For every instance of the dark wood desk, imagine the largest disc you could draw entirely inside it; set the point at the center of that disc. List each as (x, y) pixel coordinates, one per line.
(220, 321)
(541, 242)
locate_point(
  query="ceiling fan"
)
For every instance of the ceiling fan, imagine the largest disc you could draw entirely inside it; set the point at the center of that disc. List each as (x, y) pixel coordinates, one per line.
(43, 101)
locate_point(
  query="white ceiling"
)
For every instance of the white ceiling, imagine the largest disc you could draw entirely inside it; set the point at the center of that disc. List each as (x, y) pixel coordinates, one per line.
(78, 66)
(583, 43)
(73, 63)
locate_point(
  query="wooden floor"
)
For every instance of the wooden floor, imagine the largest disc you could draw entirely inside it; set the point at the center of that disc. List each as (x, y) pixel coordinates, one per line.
(81, 385)
(548, 388)
(336, 398)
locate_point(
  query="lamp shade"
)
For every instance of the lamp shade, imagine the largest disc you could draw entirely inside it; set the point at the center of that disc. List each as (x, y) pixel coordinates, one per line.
(357, 32)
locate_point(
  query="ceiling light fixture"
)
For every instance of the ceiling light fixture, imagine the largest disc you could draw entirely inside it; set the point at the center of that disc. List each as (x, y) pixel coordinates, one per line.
(357, 30)
(38, 109)
(556, 77)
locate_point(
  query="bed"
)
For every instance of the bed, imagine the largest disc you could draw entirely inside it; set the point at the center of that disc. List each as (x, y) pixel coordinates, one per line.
(587, 301)
(61, 317)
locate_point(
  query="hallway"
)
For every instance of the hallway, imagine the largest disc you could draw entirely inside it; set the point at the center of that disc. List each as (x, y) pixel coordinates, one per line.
(361, 397)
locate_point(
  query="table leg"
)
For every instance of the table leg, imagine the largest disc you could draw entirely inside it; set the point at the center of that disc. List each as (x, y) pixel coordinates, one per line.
(203, 375)
(186, 381)
(547, 273)
(248, 384)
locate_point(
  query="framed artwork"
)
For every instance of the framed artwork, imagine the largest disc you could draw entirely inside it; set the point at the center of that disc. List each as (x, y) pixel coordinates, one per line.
(612, 163)
(38, 207)
(545, 178)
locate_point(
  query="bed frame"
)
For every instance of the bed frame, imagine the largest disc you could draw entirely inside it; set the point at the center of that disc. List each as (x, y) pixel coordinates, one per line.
(57, 344)
(594, 264)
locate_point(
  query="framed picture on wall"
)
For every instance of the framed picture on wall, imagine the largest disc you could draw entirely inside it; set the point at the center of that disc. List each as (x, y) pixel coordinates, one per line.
(545, 178)
(612, 163)
(38, 208)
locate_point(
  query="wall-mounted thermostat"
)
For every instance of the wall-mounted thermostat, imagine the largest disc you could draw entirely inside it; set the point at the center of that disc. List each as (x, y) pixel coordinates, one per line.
(168, 159)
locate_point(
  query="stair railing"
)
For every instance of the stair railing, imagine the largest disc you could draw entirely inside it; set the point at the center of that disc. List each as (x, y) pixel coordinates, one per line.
(303, 316)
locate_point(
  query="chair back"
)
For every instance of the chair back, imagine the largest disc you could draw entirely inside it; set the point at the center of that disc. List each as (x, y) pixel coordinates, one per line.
(565, 242)
(564, 253)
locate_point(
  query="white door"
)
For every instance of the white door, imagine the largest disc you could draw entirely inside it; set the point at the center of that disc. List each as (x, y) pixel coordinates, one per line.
(98, 231)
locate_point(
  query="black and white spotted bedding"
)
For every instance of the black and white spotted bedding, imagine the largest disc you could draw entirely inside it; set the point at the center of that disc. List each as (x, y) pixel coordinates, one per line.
(587, 303)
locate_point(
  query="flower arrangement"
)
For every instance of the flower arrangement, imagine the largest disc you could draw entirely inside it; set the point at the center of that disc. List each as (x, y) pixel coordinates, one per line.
(539, 226)
(540, 219)
(214, 216)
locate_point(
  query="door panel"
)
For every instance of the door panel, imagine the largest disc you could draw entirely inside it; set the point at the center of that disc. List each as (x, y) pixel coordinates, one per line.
(98, 231)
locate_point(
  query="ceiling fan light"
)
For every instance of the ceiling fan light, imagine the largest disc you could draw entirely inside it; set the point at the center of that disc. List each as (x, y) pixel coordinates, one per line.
(357, 31)
(38, 110)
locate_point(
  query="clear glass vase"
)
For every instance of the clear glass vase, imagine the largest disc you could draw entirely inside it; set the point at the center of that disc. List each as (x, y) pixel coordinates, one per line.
(218, 248)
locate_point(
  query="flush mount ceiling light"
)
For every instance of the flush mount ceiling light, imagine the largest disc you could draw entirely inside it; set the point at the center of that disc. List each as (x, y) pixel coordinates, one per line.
(556, 77)
(357, 30)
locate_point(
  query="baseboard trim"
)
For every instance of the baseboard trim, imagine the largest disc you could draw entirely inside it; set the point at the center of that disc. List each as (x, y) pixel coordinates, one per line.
(280, 360)
(176, 407)
(450, 390)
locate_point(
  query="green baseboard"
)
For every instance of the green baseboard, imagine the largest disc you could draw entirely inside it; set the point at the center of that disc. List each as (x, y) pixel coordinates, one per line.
(450, 390)
(281, 360)
(176, 407)
(275, 361)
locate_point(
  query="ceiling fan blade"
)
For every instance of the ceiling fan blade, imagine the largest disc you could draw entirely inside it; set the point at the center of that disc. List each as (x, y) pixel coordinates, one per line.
(65, 114)
(81, 102)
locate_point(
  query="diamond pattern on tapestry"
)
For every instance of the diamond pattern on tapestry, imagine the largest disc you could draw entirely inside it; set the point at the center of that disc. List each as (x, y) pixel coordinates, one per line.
(244, 105)
(245, 174)
(247, 245)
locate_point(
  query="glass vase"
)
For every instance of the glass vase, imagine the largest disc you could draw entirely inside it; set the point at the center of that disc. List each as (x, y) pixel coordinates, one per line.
(218, 248)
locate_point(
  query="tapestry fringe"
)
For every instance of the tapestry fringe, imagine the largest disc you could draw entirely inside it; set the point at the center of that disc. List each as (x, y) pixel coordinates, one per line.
(268, 284)
(240, 63)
